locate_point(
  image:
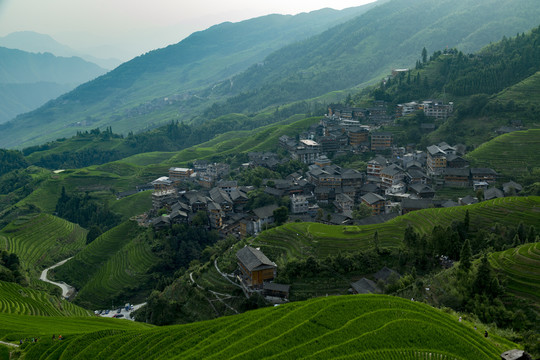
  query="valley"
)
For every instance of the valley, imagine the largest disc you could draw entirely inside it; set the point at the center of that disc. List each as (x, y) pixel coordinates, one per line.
(286, 187)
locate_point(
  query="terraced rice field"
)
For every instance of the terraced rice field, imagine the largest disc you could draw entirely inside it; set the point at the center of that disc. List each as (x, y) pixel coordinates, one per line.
(521, 266)
(42, 240)
(15, 299)
(359, 327)
(510, 154)
(112, 262)
(14, 327)
(302, 239)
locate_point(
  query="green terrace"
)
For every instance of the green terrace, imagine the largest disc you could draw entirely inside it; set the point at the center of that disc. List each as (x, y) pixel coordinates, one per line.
(510, 154)
(117, 260)
(366, 326)
(42, 240)
(521, 266)
(15, 299)
(303, 239)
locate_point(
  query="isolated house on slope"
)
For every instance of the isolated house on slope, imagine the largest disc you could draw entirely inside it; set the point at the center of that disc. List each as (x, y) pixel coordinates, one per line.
(256, 268)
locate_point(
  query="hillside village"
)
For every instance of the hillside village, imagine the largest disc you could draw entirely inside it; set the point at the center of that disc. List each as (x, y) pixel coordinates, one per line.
(397, 180)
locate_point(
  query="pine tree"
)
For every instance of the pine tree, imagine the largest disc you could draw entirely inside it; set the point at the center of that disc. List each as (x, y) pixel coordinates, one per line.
(424, 55)
(483, 278)
(376, 241)
(521, 232)
(531, 235)
(466, 221)
(465, 256)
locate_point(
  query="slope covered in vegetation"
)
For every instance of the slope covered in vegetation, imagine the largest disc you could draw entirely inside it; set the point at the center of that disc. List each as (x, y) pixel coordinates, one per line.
(302, 239)
(363, 326)
(511, 155)
(521, 266)
(15, 299)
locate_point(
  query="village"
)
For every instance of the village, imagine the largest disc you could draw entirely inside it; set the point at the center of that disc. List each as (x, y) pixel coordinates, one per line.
(396, 180)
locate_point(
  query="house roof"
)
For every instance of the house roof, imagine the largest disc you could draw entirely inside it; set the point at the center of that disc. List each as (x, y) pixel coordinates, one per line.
(265, 211)
(511, 184)
(467, 200)
(434, 150)
(385, 273)
(375, 219)
(254, 259)
(416, 203)
(421, 188)
(483, 171)
(220, 196)
(364, 286)
(449, 203)
(372, 198)
(464, 172)
(272, 286)
(493, 193)
(391, 170)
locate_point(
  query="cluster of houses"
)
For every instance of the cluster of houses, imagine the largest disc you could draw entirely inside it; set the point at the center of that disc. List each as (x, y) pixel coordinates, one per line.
(397, 180)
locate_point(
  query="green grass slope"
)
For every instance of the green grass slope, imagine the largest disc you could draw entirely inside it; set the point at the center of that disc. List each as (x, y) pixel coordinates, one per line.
(42, 240)
(521, 266)
(14, 327)
(124, 97)
(302, 239)
(110, 267)
(510, 154)
(15, 299)
(361, 327)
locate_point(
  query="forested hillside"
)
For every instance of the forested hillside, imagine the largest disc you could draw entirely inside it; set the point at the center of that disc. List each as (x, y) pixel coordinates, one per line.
(167, 80)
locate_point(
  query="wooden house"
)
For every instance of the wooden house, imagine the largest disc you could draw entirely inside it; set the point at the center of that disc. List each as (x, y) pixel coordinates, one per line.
(256, 268)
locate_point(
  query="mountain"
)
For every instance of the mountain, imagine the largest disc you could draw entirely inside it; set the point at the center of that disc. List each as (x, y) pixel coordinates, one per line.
(34, 42)
(161, 85)
(29, 80)
(391, 35)
(175, 72)
(21, 67)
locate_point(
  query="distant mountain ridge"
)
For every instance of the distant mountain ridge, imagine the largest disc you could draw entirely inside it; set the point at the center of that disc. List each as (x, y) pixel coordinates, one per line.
(28, 80)
(361, 50)
(201, 59)
(34, 42)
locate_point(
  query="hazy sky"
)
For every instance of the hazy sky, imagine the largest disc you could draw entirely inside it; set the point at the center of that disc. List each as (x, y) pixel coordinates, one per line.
(125, 28)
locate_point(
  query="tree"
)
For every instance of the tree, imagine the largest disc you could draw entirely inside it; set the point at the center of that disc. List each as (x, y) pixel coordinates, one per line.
(521, 232)
(531, 236)
(424, 55)
(466, 222)
(281, 214)
(483, 279)
(465, 256)
(376, 242)
(480, 194)
(362, 211)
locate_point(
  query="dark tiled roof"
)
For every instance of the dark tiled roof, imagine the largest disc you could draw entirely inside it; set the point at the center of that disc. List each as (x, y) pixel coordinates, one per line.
(385, 273)
(464, 172)
(254, 259)
(276, 287)
(372, 198)
(416, 203)
(265, 211)
(364, 286)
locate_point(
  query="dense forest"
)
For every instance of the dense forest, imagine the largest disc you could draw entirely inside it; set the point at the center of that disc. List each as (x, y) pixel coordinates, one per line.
(451, 72)
(87, 212)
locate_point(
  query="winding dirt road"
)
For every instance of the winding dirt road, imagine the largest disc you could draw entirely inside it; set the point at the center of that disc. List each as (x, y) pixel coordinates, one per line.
(67, 290)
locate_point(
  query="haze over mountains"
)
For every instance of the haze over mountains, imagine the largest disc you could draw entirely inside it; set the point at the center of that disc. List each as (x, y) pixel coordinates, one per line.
(392, 34)
(28, 80)
(34, 42)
